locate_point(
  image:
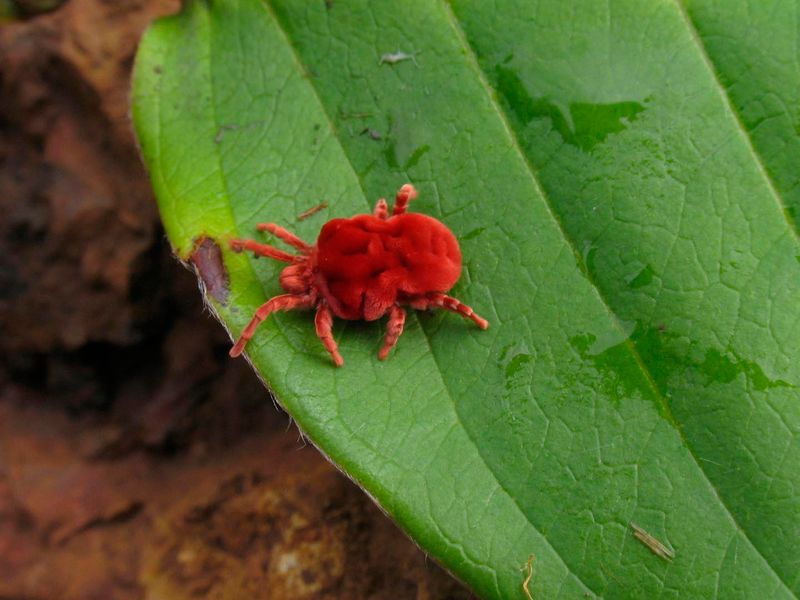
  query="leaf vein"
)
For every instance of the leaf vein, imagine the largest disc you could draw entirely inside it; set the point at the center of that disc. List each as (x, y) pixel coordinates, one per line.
(734, 113)
(472, 59)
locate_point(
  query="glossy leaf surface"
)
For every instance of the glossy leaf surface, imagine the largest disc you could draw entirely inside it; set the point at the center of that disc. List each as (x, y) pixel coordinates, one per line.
(622, 177)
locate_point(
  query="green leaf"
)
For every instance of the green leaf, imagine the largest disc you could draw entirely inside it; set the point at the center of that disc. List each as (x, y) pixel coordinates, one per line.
(623, 177)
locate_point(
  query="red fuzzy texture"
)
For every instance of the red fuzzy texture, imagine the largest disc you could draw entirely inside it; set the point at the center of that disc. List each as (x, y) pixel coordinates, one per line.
(364, 268)
(366, 264)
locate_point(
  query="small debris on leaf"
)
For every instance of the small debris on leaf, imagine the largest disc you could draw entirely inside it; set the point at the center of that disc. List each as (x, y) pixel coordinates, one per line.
(225, 128)
(392, 58)
(655, 546)
(529, 568)
(354, 115)
(312, 211)
(372, 133)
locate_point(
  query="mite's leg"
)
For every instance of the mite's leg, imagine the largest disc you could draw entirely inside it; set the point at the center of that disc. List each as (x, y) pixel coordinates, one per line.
(324, 323)
(261, 250)
(438, 300)
(381, 209)
(404, 195)
(284, 302)
(397, 318)
(284, 234)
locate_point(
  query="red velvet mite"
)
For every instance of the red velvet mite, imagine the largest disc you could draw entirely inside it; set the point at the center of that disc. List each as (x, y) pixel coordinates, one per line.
(364, 268)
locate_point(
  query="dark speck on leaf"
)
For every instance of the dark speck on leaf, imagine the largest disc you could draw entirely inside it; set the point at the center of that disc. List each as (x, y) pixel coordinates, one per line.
(372, 133)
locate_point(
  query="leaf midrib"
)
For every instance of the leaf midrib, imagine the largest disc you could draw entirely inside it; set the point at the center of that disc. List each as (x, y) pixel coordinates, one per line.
(731, 107)
(473, 62)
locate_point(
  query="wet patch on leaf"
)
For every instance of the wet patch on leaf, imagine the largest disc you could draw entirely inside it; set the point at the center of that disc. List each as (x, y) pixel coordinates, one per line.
(721, 368)
(642, 278)
(581, 124)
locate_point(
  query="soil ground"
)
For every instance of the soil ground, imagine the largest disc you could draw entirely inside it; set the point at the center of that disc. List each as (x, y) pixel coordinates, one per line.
(136, 460)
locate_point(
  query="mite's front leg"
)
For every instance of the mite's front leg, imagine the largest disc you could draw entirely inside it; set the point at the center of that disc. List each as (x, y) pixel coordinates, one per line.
(238, 245)
(284, 234)
(284, 302)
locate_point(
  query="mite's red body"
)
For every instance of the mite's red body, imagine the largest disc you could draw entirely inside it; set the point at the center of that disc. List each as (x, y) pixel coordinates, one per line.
(363, 268)
(366, 264)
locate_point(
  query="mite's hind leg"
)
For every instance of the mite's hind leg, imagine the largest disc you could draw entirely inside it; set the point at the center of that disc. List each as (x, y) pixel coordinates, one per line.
(438, 300)
(404, 195)
(381, 209)
(394, 328)
(324, 324)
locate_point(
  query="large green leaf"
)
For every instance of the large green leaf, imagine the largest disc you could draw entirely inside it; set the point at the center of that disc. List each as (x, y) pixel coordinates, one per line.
(623, 177)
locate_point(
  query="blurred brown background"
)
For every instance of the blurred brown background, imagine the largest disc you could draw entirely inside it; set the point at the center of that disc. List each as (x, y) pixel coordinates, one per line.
(136, 459)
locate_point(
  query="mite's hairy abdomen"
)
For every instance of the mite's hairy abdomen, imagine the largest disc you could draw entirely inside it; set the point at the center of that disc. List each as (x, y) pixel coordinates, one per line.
(366, 262)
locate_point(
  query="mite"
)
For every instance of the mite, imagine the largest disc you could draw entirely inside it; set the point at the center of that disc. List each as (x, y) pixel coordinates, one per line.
(364, 268)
